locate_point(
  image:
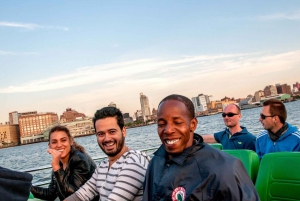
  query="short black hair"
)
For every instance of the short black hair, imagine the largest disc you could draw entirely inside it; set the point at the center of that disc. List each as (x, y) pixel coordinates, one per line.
(277, 108)
(109, 112)
(186, 101)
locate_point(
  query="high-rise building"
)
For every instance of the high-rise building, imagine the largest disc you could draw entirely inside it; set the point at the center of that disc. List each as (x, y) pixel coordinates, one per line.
(32, 125)
(13, 117)
(145, 106)
(200, 102)
(70, 115)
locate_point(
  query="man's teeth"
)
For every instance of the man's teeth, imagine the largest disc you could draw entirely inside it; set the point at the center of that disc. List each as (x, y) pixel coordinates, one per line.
(109, 144)
(172, 141)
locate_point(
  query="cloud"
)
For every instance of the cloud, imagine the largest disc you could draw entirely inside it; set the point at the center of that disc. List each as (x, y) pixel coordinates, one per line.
(281, 16)
(165, 72)
(31, 26)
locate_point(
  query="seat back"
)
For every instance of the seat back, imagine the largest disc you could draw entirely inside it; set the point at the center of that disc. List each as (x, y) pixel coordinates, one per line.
(279, 177)
(216, 145)
(249, 159)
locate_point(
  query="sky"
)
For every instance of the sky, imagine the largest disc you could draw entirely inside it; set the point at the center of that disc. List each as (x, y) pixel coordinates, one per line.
(86, 54)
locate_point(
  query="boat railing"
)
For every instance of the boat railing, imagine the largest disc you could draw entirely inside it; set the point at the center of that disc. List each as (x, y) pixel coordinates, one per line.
(148, 151)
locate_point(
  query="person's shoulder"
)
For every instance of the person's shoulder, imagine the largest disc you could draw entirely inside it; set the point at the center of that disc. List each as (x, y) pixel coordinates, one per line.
(220, 132)
(209, 154)
(262, 134)
(136, 156)
(78, 156)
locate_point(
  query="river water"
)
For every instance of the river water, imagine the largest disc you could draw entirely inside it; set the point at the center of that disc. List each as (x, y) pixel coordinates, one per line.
(35, 155)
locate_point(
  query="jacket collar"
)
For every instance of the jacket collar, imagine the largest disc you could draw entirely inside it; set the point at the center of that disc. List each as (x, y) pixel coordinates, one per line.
(179, 159)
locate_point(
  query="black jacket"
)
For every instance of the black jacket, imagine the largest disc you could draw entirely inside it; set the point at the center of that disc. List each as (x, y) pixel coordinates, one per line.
(65, 182)
(14, 185)
(200, 172)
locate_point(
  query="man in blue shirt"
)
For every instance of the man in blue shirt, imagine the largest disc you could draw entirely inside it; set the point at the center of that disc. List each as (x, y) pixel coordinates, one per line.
(278, 134)
(234, 136)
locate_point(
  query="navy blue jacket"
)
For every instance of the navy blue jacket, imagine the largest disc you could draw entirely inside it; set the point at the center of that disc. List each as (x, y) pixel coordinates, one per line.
(200, 172)
(14, 185)
(240, 140)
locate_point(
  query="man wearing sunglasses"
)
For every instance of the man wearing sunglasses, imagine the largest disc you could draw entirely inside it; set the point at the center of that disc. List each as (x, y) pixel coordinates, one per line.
(234, 136)
(278, 135)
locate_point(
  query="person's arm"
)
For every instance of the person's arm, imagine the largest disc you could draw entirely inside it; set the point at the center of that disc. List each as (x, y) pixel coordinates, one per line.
(81, 169)
(209, 138)
(45, 193)
(86, 192)
(257, 148)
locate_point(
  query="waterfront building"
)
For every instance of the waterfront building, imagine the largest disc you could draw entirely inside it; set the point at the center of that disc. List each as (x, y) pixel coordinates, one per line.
(70, 115)
(214, 107)
(145, 106)
(32, 125)
(247, 103)
(79, 127)
(258, 95)
(282, 97)
(270, 90)
(200, 103)
(297, 85)
(14, 117)
(227, 101)
(9, 135)
(112, 104)
(126, 115)
(139, 115)
(283, 89)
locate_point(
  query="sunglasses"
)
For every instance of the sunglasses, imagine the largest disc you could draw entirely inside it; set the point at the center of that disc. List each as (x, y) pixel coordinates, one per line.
(262, 116)
(228, 114)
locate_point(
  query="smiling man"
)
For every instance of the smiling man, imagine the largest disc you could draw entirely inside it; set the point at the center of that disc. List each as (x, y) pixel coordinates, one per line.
(234, 136)
(278, 135)
(186, 168)
(121, 176)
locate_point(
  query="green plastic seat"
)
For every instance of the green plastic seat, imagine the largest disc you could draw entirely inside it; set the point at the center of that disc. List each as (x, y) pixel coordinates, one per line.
(249, 159)
(279, 177)
(216, 145)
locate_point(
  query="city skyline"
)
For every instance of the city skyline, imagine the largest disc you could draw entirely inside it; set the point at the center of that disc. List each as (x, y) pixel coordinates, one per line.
(88, 55)
(112, 104)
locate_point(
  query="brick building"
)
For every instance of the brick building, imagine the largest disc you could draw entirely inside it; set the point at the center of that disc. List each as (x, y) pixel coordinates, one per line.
(70, 115)
(32, 125)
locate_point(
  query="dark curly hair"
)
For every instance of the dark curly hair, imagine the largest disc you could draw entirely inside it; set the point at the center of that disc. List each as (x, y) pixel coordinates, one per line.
(109, 112)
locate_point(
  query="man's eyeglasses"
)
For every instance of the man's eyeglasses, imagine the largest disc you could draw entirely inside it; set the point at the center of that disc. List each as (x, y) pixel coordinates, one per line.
(228, 114)
(262, 116)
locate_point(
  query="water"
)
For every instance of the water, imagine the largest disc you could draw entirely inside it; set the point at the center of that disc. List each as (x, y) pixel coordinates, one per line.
(35, 155)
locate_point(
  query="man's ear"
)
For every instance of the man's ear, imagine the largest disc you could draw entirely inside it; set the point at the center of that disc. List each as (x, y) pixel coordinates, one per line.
(124, 131)
(193, 124)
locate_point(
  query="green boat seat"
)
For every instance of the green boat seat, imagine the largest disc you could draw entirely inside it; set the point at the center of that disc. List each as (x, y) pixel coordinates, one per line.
(279, 177)
(249, 159)
(216, 145)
